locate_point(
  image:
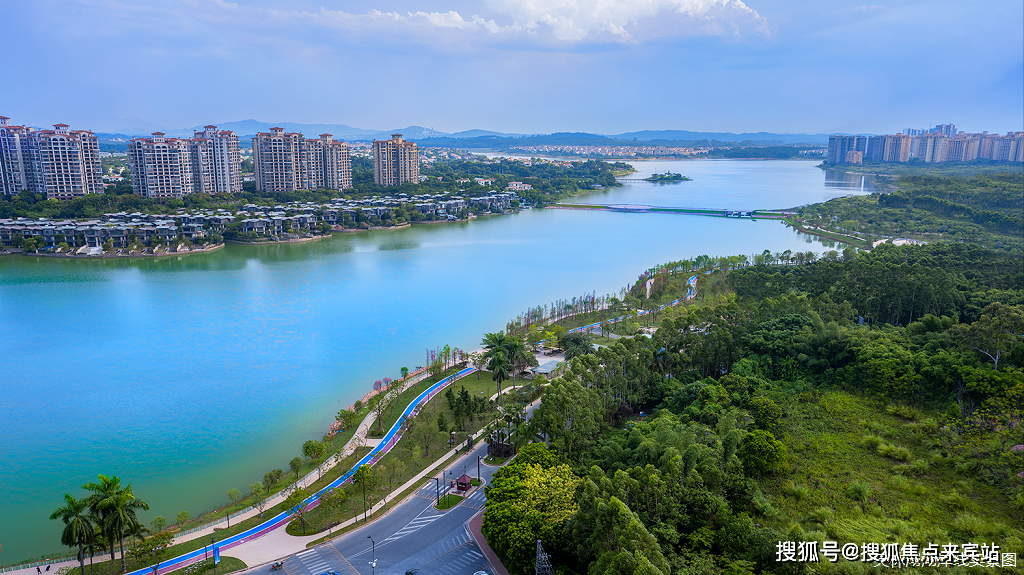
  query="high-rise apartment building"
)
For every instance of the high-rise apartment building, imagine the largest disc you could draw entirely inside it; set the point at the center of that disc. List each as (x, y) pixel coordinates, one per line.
(60, 163)
(963, 148)
(286, 162)
(395, 161)
(224, 160)
(897, 148)
(14, 172)
(930, 148)
(888, 148)
(947, 130)
(163, 168)
(839, 146)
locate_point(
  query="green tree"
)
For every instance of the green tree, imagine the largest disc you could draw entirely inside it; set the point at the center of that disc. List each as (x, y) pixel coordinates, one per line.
(405, 372)
(160, 523)
(442, 423)
(996, 333)
(294, 502)
(761, 453)
(183, 517)
(271, 478)
(77, 528)
(296, 466)
(526, 503)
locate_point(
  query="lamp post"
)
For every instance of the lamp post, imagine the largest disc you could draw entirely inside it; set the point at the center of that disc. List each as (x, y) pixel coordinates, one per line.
(213, 543)
(478, 457)
(362, 480)
(373, 547)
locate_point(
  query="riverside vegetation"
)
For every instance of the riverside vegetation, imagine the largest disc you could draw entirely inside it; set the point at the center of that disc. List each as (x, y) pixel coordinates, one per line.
(873, 398)
(931, 205)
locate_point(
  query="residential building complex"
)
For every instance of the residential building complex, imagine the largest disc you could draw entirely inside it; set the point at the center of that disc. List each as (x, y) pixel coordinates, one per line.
(840, 146)
(163, 168)
(285, 162)
(395, 161)
(60, 163)
(936, 145)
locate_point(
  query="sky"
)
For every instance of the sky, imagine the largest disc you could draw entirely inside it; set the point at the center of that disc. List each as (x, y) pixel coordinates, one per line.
(528, 66)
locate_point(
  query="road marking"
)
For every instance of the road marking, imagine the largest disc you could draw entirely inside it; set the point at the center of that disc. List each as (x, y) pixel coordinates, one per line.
(306, 552)
(346, 568)
(478, 556)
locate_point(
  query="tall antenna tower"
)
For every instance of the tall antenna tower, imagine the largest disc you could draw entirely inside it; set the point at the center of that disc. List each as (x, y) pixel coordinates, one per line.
(543, 564)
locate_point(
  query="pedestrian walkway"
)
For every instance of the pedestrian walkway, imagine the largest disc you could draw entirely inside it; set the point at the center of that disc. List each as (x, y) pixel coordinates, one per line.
(474, 526)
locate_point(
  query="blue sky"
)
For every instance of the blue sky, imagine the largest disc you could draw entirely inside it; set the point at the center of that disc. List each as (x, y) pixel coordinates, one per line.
(530, 66)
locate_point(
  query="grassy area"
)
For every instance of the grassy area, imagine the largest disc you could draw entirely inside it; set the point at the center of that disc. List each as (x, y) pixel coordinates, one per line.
(392, 414)
(448, 501)
(495, 460)
(227, 565)
(864, 473)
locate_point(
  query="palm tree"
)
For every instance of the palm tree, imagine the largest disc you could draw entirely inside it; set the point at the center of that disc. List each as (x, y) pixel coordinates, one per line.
(499, 367)
(121, 518)
(492, 342)
(102, 490)
(517, 354)
(77, 529)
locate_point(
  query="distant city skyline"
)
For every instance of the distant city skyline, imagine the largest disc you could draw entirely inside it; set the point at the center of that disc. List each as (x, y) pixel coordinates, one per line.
(597, 66)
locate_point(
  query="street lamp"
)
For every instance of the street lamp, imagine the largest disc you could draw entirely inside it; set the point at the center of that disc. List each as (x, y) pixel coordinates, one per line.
(478, 457)
(373, 547)
(213, 543)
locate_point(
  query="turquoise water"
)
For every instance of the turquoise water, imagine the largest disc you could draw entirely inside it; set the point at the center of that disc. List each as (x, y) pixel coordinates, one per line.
(189, 376)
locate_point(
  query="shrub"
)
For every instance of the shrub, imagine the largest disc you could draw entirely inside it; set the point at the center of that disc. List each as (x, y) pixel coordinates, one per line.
(872, 441)
(822, 514)
(858, 491)
(894, 452)
(763, 504)
(903, 412)
(798, 492)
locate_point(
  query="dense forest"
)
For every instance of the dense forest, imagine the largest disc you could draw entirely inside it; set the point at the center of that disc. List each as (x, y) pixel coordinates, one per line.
(987, 209)
(873, 399)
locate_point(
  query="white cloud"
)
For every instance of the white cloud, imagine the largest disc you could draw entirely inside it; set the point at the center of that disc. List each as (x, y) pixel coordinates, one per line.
(562, 21)
(629, 20)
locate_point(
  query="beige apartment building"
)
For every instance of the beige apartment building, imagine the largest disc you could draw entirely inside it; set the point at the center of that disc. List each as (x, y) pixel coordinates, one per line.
(286, 162)
(60, 163)
(395, 161)
(161, 167)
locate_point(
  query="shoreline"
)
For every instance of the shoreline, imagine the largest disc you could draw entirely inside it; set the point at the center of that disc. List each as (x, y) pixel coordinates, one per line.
(113, 255)
(295, 241)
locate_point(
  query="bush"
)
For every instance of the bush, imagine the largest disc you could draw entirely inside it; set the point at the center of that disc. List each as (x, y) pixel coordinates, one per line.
(798, 492)
(894, 452)
(872, 441)
(903, 412)
(858, 491)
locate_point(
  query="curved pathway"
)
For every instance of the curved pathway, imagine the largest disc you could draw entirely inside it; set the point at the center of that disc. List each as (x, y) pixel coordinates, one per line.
(281, 519)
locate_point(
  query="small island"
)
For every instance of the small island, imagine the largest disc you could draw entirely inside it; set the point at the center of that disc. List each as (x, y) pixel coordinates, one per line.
(667, 177)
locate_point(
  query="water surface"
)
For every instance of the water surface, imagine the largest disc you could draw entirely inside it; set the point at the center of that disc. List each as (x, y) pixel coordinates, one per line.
(190, 376)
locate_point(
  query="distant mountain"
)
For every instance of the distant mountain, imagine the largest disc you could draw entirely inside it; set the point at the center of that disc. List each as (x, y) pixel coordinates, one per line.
(477, 138)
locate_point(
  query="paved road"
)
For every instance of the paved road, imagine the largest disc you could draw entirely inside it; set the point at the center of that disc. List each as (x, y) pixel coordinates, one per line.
(412, 535)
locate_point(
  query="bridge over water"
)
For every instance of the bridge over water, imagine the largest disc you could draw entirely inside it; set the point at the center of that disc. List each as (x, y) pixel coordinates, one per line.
(643, 209)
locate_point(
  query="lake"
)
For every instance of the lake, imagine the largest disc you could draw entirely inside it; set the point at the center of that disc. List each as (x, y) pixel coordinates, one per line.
(190, 376)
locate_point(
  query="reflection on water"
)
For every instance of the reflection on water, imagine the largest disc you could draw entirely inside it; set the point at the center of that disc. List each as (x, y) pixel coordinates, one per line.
(854, 182)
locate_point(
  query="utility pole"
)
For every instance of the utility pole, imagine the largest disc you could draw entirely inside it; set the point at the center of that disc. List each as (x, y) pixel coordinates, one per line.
(478, 468)
(373, 547)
